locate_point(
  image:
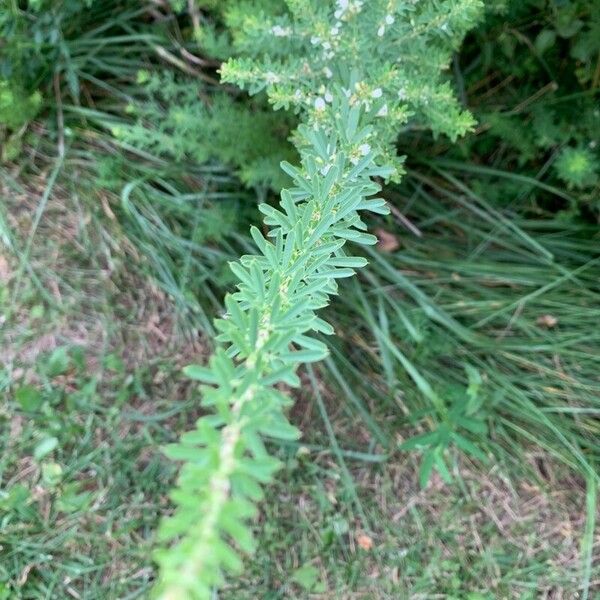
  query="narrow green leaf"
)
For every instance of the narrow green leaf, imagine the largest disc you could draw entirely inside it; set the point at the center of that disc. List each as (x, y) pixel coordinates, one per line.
(426, 468)
(198, 373)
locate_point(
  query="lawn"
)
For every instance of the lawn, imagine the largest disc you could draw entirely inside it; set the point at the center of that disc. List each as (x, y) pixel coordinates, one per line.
(92, 358)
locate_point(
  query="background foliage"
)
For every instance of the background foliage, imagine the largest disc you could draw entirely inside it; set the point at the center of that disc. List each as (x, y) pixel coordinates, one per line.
(475, 317)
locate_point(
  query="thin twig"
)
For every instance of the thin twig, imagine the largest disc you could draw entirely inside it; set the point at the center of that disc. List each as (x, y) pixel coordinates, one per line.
(59, 116)
(180, 64)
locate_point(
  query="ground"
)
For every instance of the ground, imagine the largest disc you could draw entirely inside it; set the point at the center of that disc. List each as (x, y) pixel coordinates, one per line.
(90, 358)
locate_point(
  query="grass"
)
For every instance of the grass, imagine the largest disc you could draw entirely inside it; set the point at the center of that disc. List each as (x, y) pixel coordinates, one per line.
(477, 291)
(91, 360)
(83, 483)
(481, 538)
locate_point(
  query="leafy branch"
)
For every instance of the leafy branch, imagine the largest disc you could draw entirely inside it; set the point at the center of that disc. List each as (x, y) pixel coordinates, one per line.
(355, 72)
(266, 335)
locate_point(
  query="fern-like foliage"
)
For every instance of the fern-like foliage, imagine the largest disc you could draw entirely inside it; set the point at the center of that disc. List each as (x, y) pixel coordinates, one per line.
(355, 72)
(182, 119)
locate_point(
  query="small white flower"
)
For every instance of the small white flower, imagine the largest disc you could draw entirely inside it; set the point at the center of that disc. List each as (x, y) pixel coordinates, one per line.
(328, 97)
(364, 149)
(279, 31)
(377, 93)
(342, 8)
(320, 104)
(314, 40)
(354, 160)
(298, 94)
(389, 19)
(402, 95)
(328, 72)
(271, 77)
(381, 31)
(334, 30)
(325, 170)
(326, 45)
(383, 111)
